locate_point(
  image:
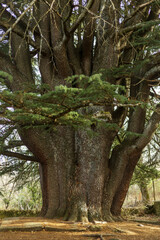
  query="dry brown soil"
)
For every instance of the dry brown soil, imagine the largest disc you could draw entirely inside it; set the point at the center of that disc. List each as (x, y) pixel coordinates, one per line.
(146, 229)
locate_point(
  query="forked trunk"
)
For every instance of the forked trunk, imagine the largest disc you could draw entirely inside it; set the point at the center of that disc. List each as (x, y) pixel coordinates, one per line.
(123, 187)
(78, 181)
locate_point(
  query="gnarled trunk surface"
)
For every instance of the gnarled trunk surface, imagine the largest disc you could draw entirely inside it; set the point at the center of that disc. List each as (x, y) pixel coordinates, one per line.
(79, 180)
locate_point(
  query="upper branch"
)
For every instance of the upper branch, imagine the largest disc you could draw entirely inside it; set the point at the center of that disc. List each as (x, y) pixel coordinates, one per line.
(10, 24)
(140, 7)
(6, 65)
(81, 17)
(87, 45)
(13, 23)
(149, 129)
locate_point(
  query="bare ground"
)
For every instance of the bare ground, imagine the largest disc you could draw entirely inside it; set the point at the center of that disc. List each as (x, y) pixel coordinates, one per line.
(43, 229)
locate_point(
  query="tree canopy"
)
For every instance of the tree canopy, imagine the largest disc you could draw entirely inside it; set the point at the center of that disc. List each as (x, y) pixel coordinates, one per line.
(82, 27)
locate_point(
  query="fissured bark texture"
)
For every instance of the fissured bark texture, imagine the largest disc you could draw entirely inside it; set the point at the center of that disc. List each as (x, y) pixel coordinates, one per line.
(79, 179)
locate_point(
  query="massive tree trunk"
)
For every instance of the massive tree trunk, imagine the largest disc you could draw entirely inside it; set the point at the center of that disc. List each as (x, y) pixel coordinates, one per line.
(84, 177)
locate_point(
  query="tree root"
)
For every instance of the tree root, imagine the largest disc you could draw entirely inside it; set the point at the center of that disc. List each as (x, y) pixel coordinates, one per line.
(118, 218)
(100, 236)
(109, 218)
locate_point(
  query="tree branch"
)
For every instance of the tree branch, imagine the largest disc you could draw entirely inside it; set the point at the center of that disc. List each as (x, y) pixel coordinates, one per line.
(13, 144)
(6, 65)
(17, 20)
(7, 131)
(151, 76)
(27, 22)
(4, 121)
(149, 129)
(152, 73)
(87, 44)
(138, 26)
(19, 156)
(81, 17)
(138, 9)
(7, 21)
(154, 93)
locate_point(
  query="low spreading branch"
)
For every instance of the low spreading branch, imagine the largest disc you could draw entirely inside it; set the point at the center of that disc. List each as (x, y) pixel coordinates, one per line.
(13, 144)
(19, 156)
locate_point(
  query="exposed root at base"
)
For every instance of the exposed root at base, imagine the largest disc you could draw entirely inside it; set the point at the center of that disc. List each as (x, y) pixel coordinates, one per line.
(118, 218)
(109, 218)
(83, 215)
(100, 236)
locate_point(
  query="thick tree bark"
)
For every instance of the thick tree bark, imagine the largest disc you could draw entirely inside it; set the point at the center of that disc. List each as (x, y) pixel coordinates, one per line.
(90, 171)
(55, 149)
(123, 186)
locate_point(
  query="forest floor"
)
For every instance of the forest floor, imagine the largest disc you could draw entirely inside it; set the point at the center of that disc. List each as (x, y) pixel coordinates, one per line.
(135, 228)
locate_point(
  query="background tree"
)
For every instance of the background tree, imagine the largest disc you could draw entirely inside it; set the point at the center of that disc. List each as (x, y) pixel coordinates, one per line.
(147, 168)
(19, 184)
(109, 52)
(144, 173)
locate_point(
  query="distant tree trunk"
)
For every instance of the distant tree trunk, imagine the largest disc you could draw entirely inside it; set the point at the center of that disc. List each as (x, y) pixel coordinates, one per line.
(145, 193)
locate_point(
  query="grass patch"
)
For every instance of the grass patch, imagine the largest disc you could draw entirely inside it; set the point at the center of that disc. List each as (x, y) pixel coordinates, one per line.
(18, 213)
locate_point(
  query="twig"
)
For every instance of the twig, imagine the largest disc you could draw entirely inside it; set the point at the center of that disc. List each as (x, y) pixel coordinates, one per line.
(138, 9)
(18, 19)
(81, 17)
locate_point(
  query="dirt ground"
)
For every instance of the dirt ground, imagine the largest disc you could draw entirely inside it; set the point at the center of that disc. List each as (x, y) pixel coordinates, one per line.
(141, 229)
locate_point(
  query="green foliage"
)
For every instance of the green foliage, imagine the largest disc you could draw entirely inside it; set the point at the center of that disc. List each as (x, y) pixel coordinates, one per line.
(61, 105)
(147, 25)
(29, 197)
(5, 78)
(144, 173)
(124, 70)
